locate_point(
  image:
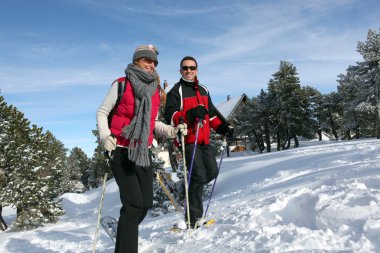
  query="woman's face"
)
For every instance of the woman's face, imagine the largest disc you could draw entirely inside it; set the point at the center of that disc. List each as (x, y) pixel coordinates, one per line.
(146, 64)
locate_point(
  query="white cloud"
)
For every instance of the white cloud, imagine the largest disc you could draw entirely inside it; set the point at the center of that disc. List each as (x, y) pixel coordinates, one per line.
(157, 8)
(45, 79)
(280, 28)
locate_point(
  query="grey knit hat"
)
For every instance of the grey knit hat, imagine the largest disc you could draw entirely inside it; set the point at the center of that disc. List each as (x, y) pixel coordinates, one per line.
(146, 51)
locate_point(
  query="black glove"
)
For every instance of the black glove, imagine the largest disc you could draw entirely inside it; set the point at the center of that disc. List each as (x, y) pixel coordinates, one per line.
(225, 129)
(199, 112)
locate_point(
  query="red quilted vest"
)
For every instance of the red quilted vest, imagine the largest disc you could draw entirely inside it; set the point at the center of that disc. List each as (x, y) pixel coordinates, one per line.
(125, 112)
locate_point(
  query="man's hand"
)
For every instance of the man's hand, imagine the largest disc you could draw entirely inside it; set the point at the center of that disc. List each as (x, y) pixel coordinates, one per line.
(225, 129)
(199, 112)
(109, 143)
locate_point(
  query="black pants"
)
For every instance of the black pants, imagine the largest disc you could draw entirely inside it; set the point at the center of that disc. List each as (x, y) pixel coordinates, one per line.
(136, 195)
(3, 225)
(204, 170)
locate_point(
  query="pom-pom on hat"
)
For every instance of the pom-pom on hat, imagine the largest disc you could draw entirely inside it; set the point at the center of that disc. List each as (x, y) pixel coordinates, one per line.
(146, 51)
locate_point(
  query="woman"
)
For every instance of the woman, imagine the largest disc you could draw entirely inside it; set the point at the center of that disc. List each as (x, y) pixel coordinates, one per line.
(129, 136)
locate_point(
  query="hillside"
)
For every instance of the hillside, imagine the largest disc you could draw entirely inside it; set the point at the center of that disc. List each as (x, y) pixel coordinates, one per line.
(321, 197)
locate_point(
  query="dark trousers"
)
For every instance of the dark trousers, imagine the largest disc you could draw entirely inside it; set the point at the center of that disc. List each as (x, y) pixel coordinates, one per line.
(3, 225)
(204, 170)
(136, 195)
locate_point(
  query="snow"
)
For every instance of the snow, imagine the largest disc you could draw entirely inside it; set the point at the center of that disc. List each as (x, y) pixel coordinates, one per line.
(321, 197)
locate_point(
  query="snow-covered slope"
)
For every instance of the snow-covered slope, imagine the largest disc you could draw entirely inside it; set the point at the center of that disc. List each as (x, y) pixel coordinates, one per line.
(322, 197)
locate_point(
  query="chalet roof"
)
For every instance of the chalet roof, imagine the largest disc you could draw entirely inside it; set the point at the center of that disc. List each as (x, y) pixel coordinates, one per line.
(228, 107)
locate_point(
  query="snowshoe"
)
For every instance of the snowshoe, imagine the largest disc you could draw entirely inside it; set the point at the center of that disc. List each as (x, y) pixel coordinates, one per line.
(110, 226)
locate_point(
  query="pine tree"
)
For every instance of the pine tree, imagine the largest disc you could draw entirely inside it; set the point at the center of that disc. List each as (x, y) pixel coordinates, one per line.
(262, 119)
(370, 50)
(250, 125)
(331, 114)
(99, 165)
(4, 142)
(35, 204)
(56, 162)
(352, 95)
(290, 106)
(4, 133)
(77, 172)
(243, 118)
(314, 98)
(31, 170)
(14, 139)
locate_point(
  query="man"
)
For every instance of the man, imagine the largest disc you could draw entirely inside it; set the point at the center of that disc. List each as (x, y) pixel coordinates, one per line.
(129, 136)
(190, 102)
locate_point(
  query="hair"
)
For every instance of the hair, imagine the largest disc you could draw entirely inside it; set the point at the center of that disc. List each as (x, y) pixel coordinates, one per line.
(188, 58)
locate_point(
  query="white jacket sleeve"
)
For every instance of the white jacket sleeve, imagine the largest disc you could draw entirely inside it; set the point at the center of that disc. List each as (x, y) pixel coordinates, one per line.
(161, 128)
(104, 110)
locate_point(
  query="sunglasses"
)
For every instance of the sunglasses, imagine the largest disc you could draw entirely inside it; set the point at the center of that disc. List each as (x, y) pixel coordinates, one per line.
(148, 60)
(188, 67)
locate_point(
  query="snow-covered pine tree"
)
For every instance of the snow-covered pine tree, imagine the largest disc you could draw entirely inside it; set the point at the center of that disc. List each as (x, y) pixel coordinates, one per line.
(31, 168)
(76, 175)
(261, 119)
(258, 113)
(370, 50)
(14, 150)
(4, 134)
(291, 109)
(243, 117)
(55, 163)
(34, 181)
(351, 92)
(359, 89)
(331, 114)
(314, 98)
(4, 130)
(98, 165)
(254, 121)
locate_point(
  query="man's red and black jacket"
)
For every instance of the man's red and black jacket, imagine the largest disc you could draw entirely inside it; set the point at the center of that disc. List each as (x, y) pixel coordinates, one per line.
(184, 96)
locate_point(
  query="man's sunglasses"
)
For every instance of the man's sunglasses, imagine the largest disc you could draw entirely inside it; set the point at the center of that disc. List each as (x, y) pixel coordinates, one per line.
(188, 67)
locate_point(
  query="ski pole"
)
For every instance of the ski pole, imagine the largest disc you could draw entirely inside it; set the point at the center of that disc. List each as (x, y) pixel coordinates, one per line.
(186, 207)
(188, 177)
(213, 186)
(195, 148)
(185, 177)
(100, 211)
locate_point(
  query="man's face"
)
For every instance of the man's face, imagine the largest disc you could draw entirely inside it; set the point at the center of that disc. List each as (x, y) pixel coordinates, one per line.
(189, 70)
(146, 64)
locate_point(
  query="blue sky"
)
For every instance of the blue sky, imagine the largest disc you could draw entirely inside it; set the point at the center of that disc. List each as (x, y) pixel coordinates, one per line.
(58, 58)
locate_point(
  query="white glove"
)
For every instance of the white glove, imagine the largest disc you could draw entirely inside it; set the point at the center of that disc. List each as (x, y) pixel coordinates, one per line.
(109, 143)
(181, 129)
